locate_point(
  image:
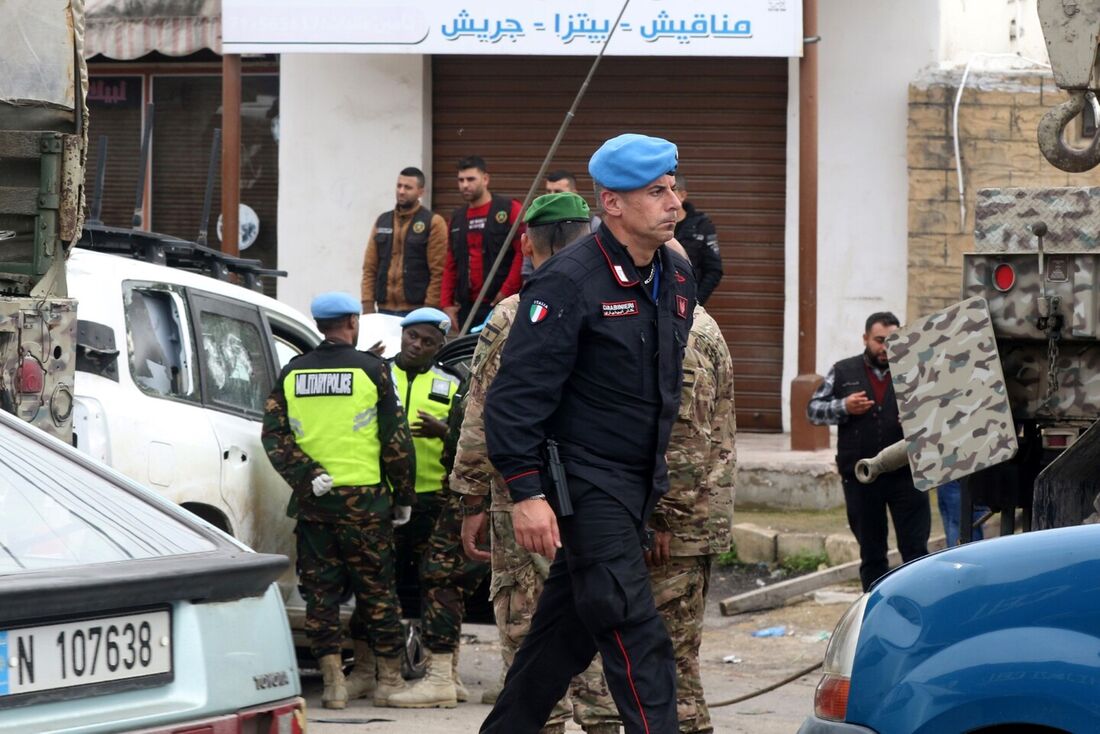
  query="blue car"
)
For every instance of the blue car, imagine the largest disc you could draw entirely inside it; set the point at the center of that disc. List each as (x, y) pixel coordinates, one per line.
(997, 636)
(120, 611)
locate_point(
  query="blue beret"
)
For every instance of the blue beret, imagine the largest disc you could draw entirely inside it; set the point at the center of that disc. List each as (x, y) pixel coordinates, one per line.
(428, 315)
(333, 305)
(630, 161)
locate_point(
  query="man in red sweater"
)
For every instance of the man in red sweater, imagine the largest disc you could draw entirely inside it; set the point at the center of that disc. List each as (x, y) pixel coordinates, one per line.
(478, 231)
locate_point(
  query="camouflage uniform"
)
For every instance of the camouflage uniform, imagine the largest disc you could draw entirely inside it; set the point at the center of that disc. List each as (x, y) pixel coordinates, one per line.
(698, 508)
(518, 574)
(410, 546)
(345, 537)
(447, 576)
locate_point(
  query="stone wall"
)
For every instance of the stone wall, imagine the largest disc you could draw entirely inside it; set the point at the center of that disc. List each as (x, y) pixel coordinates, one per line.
(998, 117)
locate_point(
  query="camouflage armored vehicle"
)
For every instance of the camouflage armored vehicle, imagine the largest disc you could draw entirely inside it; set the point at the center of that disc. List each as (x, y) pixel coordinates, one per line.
(43, 82)
(1003, 390)
(993, 389)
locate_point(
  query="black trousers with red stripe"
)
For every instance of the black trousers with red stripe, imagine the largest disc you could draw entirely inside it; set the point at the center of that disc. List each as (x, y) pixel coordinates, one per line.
(597, 597)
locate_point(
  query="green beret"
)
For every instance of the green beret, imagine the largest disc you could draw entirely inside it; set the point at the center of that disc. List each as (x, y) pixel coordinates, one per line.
(561, 207)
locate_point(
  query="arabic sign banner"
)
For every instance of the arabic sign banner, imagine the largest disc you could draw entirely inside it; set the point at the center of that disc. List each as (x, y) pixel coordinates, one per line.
(533, 27)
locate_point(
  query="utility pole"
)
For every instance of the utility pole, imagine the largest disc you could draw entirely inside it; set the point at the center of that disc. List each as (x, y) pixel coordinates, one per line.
(804, 435)
(231, 152)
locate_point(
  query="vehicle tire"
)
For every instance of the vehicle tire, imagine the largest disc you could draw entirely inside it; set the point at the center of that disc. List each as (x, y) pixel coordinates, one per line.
(413, 662)
(456, 354)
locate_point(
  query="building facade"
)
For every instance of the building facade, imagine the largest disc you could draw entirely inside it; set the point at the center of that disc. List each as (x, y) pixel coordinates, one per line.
(351, 117)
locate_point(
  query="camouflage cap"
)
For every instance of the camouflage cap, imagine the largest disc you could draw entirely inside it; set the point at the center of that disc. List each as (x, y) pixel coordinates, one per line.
(564, 206)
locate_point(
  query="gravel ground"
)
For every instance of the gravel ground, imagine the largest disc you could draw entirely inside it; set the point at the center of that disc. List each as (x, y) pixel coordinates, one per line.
(759, 662)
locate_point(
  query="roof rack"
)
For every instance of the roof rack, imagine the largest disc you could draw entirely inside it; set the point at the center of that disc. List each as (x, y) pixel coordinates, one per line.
(162, 249)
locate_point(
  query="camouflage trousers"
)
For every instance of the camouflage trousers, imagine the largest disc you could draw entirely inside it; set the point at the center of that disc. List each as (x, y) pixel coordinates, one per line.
(410, 543)
(447, 578)
(680, 591)
(335, 557)
(518, 576)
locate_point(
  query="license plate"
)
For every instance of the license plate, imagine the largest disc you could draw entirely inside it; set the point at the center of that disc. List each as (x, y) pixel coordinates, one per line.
(84, 652)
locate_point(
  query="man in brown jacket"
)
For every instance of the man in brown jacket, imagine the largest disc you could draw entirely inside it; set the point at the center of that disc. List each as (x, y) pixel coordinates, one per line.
(403, 265)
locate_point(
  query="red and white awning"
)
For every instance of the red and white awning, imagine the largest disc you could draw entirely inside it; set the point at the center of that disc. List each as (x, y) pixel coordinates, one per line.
(129, 29)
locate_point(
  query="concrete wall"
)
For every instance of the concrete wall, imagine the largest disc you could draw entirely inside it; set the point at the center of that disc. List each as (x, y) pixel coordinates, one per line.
(998, 117)
(864, 75)
(969, 27)
(1006, 94)
(348, 124)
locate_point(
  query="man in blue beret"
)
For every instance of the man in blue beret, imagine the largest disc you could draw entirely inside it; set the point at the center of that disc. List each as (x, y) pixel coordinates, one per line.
(427, 547)
(592, 370)
(335, 430)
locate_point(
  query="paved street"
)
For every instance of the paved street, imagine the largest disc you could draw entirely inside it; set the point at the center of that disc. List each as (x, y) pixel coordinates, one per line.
(763, 660)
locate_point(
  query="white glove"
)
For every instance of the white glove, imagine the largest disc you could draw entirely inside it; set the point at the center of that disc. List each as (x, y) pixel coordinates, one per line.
(401, 514)
(322, 484)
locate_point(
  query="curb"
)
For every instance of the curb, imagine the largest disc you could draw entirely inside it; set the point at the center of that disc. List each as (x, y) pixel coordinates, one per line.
(756, 544)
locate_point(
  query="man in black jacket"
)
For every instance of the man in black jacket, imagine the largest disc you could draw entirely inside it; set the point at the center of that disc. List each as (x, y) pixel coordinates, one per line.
(478, 233)
(858, 397)
(697, 234)
(594, 361)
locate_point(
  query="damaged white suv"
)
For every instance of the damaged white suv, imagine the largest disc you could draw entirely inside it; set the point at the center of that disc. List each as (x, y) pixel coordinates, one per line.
(173, 368)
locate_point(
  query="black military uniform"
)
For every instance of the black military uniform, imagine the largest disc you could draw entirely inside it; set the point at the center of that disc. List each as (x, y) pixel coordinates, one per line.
(861, 437)
(593, 361)
(700, 240)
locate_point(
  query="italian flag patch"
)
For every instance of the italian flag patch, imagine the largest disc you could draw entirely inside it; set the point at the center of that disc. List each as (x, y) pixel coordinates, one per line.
(539, 311)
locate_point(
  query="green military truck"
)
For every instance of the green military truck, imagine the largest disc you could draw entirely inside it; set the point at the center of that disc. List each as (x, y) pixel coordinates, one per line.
(43, 136)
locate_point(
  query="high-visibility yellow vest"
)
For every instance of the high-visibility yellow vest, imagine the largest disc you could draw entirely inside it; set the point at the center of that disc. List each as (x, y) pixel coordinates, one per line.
(334, 415)
(431, 391)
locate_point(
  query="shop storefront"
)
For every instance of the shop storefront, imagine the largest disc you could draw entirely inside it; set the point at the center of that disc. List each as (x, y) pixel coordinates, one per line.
(496, 78)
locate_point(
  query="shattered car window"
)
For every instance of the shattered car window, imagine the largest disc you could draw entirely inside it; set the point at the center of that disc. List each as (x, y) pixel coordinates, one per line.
(156, 334)
(234, 353)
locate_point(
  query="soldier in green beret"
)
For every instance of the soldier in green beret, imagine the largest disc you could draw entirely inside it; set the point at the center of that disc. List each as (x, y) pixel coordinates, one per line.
(553, 222)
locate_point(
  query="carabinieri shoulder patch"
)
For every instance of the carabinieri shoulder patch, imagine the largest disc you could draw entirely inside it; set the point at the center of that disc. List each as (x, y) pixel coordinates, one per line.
(539, 311)
(502, 217)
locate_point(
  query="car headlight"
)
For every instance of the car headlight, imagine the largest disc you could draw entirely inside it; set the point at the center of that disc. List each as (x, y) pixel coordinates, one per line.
(831, 697)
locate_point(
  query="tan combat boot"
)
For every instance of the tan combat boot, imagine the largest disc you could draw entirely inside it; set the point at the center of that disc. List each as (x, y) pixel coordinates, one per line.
(390, 682)
(435, 690)
(363, 678)
(601, 729)
(553, 729)
(492, 693)
(335, 695)
(461, 694)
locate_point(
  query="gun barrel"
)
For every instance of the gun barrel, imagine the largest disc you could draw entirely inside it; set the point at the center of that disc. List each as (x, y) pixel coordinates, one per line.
(894, 456)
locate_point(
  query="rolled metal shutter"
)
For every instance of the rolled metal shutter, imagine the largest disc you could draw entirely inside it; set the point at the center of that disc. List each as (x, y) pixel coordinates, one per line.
(728, 116)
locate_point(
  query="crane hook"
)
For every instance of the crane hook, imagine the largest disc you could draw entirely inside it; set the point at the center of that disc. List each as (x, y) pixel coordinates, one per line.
(1053, 146)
